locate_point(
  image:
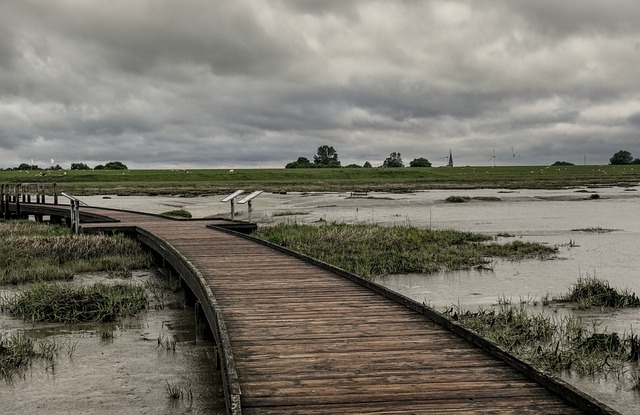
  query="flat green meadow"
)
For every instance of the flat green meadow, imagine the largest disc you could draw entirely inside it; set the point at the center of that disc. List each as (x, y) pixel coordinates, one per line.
(219, 181)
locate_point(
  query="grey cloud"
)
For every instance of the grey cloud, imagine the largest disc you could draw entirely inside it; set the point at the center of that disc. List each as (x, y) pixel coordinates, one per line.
(212, 83)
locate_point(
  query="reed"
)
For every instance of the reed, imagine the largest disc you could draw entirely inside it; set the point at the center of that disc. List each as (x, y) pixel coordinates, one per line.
(373, 250)
(568, 344)
(56, 302)
(36, 252)
(18, 351)
(178, 390)
(590, 292)
(179, 213)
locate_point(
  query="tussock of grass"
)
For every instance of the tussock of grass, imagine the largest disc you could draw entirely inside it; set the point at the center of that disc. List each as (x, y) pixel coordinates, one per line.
(568, 344)
(289, 213)
(18, 351)
(464, 199)
(36, 252)
(457, 199)
(55, 302)
(596, 229)
(593, 292)
(180, 213)
(373, 250)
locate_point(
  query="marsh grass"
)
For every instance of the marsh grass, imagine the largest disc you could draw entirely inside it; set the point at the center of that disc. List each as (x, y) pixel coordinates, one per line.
(18, 351)
(179, 213)
(590, 292)
(36, 252)
(178, 390)
(568, 344)
(56, 302)
(373, 250)
(289, 213)
(464, 199)
(595, 229)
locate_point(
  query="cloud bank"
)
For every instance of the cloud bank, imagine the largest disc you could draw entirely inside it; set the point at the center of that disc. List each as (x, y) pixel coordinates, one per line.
(194, 83)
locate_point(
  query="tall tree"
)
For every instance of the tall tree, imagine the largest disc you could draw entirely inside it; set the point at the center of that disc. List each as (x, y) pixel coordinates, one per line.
(301, 163)
(394, 160)
(621, 157)
(326, 157)
(79, 166)
(420, 162)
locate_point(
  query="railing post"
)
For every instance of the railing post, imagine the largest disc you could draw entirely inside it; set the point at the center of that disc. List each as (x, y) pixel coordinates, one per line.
(2, 201)
(17, 196)
(75, 211)
(55, 195)
(248, 200)
(231, 199)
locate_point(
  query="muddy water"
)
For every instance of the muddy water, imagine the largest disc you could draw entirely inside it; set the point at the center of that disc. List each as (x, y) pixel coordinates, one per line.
(118, 368)
(553, 217)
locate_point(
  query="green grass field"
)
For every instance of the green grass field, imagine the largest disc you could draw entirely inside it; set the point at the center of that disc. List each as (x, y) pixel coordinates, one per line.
(203, 182)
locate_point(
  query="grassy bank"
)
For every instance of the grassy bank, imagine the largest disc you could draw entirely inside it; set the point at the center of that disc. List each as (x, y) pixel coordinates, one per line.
(198, 182)
(36, 252)
(373, 250)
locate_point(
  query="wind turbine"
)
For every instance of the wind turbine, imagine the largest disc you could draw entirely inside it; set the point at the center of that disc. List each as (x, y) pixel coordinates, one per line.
(494, 157)
(513, 154)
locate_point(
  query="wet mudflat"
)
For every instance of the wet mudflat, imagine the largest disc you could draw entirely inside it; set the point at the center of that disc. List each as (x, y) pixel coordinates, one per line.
(119, 367)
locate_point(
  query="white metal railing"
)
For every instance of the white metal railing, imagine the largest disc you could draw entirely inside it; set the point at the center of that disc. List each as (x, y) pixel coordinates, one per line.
(75, 211)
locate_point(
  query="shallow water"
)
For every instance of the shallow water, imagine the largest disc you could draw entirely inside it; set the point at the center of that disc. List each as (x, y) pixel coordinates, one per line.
(123, 371)
(553, 217)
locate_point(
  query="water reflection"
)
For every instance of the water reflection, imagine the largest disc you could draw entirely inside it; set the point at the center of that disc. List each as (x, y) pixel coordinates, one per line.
(119, 368)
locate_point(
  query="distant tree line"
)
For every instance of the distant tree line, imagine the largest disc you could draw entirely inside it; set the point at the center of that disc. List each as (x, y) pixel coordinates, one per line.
(112, 165)
(327, 157)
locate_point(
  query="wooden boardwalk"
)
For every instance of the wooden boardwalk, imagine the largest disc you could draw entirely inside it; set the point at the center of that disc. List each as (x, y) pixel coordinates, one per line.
(305, 340)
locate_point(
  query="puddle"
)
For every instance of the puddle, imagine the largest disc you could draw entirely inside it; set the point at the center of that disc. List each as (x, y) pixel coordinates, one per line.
(118, 368)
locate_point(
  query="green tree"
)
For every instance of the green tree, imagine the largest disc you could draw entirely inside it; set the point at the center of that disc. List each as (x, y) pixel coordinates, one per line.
(301, 163)
(367, 165)
(115, 165)
(25, 166)
(394, 160)
(420, 162)
(562, 163)
(79, 166)
(621, 157)
(326, 157)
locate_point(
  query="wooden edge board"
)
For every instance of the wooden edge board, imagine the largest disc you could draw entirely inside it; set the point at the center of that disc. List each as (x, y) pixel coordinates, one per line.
(552, 383)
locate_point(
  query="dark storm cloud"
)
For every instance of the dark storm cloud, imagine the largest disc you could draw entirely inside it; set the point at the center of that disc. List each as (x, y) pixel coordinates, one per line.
(245, 83)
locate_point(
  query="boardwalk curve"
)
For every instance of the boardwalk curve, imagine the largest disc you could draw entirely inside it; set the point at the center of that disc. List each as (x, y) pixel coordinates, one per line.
(299, 337)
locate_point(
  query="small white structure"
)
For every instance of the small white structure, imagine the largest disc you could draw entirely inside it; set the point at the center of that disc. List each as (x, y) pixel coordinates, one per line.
(248, 200)
(232, 199)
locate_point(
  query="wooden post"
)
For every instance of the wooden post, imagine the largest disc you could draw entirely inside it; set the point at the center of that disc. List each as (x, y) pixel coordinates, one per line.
(55, 195)
(17, 196)
(2, 211)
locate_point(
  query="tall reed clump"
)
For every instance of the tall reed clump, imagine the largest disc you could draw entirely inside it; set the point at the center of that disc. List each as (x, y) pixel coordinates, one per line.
(36, 252)
(590, 292)
(56, 302)
(549, 344)
(373, 250)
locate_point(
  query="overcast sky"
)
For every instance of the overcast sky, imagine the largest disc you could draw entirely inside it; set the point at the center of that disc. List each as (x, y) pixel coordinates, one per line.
(250, 83)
